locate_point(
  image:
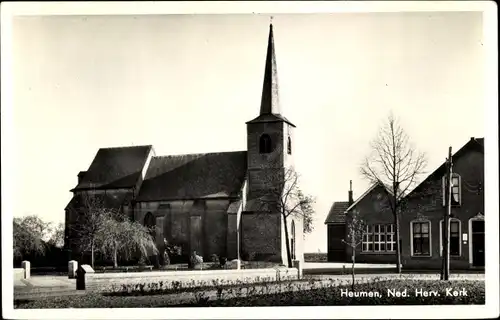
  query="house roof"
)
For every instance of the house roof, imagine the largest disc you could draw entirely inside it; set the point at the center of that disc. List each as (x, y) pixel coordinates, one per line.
(473, 144)
(194, 176)
(118, 167)
(367, 192)
(337, 212)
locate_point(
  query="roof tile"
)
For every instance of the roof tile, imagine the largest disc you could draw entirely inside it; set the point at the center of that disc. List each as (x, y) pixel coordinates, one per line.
(115, 168)
(194, 176)
(337, 212)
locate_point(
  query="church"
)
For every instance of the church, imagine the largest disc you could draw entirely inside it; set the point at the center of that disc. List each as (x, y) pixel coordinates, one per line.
(204, 202)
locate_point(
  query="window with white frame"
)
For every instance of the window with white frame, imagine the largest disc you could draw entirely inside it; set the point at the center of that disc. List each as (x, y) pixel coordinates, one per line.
(456, 193)
(379, 238)
(454, 237)
(421, 238)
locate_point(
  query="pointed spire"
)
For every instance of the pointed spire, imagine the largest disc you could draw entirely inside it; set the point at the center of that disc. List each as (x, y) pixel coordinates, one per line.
(270, 96)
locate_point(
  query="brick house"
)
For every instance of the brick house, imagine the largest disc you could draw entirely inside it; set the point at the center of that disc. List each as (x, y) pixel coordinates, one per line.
(421, 224)
(201, 201)
(336, 229)
(378, 243)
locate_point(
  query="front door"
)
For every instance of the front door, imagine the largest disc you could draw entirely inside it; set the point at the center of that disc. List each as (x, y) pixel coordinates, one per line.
(478, 243)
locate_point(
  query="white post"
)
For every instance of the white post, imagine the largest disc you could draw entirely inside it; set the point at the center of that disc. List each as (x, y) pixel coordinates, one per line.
(27, 269)
(72, 267)
(298, 264)
(238, 222)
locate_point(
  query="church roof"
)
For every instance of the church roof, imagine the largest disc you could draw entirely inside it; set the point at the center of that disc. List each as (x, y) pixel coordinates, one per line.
(270, 118)
(118, 167)
(337, 212)
(270, 109)
(194, 176)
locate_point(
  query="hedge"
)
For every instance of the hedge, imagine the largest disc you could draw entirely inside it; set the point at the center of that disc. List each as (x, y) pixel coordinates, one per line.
(324, 296)
(332, 296)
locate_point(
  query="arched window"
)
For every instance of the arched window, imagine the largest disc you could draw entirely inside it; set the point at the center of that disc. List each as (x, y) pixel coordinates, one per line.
(149, 222)
(289, 145)
(265, 144)
(293, 240)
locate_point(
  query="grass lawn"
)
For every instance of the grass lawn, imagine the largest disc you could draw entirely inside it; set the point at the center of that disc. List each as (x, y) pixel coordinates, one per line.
(324, 296)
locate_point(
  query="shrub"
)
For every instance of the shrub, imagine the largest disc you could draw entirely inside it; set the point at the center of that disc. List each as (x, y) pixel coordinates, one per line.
(295, 293)
(214, 258)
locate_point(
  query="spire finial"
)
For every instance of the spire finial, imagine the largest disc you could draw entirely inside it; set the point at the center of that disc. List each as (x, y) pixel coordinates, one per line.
(271, 20)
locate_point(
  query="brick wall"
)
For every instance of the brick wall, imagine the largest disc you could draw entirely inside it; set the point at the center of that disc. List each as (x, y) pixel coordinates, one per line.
(261, 236)
(199, 225)
(373, 209)
(274, 159)
(428, 205)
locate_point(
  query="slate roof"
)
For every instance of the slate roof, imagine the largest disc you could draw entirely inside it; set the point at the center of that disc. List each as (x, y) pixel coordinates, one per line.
(115, 168)
(337, 212)
(194, 176)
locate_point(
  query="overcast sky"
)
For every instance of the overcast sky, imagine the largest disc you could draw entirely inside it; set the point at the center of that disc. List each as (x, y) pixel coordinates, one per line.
(188, 83)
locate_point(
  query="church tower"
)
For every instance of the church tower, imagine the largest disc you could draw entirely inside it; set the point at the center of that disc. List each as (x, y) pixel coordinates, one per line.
(270, 135)
(269, 153)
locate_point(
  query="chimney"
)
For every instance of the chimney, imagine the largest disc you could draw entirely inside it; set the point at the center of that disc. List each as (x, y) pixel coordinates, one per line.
(80, 176)
(351, 200)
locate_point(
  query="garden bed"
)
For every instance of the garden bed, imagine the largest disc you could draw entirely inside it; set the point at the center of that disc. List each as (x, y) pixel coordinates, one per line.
(289, 294)
(367, 295)
(185, 267)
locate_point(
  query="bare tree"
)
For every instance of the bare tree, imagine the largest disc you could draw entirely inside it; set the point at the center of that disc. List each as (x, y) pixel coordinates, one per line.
(91, 213)
(29, 235)
(119, 235)
(354, 237)
(285, 197)
(396, 164)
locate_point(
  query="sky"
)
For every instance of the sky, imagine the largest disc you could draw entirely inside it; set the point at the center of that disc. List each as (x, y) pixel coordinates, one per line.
(188, 83)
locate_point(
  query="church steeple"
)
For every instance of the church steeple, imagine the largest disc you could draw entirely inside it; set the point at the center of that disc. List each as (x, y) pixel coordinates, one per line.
(270, 91)
(270, 109)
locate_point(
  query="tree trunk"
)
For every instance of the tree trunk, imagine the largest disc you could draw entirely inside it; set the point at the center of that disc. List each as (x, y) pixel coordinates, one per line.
(92, 254)
(398, 247)
(288, 254)
(353, 262)
(115, 258)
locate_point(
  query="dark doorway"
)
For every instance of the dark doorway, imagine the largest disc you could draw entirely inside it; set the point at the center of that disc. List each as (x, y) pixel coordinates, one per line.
(478, 243)
(150, 223)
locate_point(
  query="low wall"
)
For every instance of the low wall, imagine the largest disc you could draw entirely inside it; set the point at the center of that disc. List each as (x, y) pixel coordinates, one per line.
(107, 281)
(315, 257)
(18, 273)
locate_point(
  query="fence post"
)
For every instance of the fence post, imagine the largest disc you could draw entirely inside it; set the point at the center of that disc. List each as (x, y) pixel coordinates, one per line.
(298, 264)
(72, 267)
